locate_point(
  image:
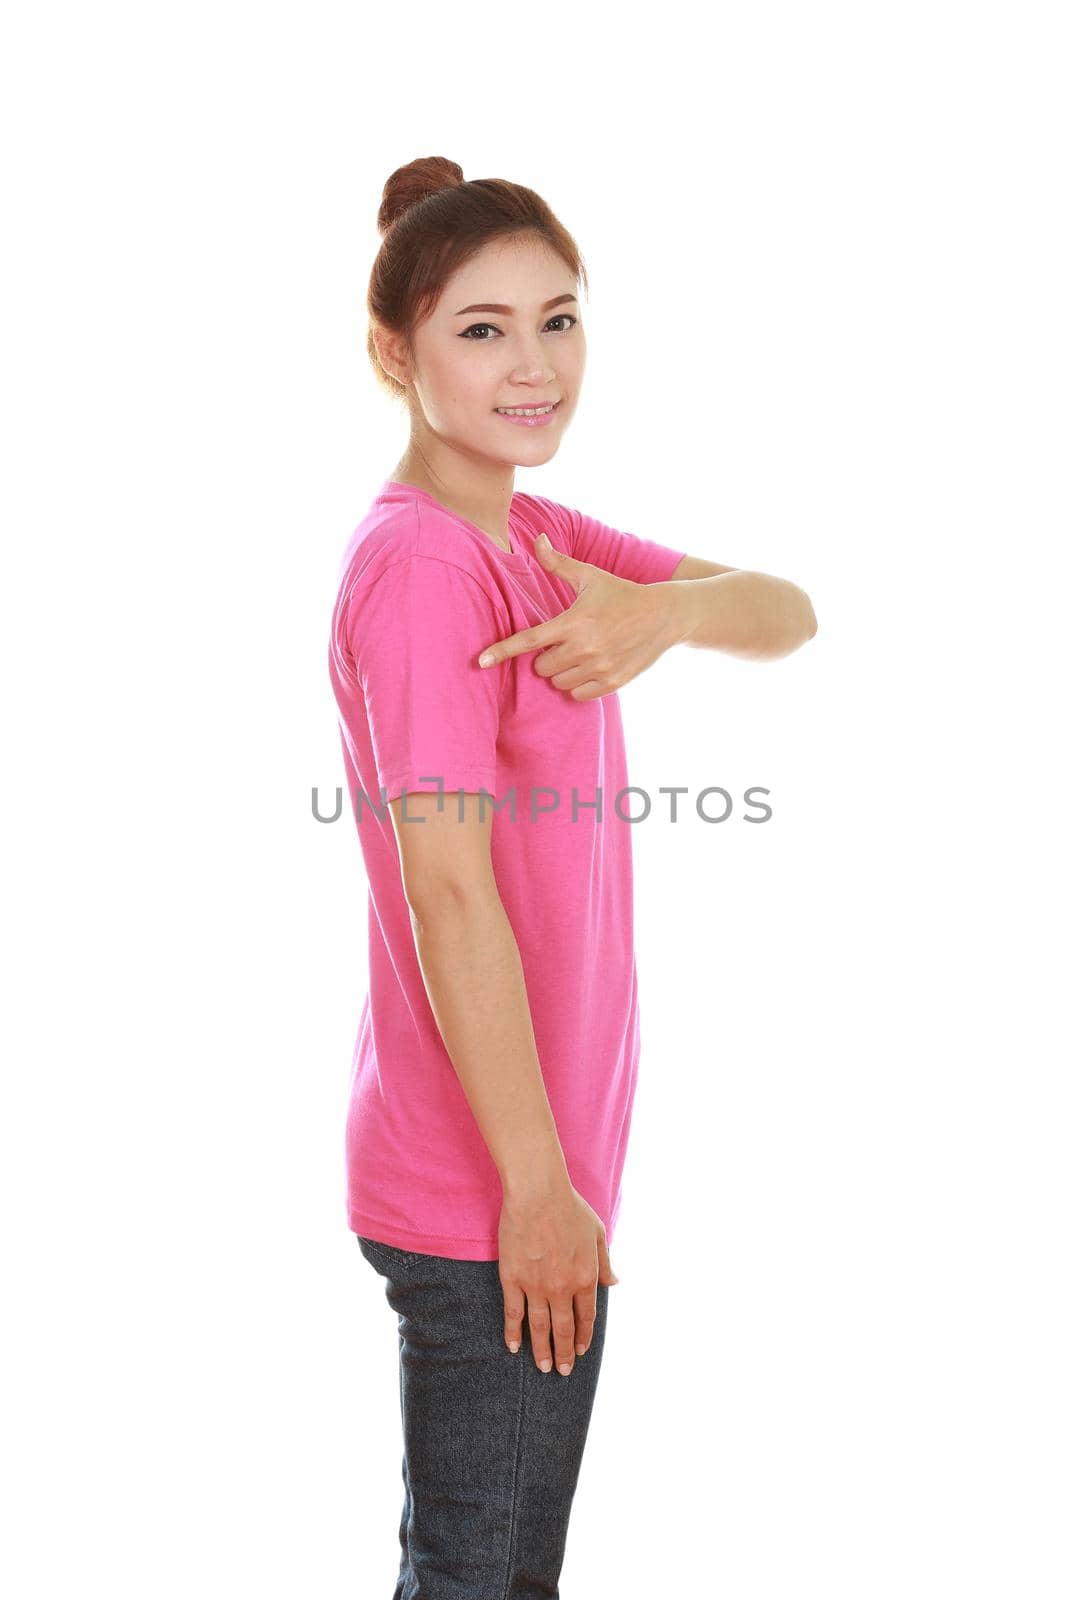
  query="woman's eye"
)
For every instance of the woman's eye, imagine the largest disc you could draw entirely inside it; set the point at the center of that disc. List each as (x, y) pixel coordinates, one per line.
(562, 316)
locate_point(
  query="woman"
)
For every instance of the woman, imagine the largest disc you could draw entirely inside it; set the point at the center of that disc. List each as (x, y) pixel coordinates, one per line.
(496, 1059)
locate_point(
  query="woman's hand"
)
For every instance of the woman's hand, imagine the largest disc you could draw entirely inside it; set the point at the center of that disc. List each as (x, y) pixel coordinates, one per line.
(611, 632)
(553, 1251)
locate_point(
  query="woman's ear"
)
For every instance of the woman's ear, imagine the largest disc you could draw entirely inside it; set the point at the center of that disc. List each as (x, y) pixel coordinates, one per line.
(391, 353)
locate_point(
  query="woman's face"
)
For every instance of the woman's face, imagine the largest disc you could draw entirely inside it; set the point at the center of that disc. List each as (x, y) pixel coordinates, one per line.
(470, 359)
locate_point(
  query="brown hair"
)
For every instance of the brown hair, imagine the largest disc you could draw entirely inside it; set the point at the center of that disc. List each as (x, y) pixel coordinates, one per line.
(431, 222)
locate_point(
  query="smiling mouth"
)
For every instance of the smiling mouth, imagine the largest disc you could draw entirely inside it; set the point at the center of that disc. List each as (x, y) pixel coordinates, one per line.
(527, 411)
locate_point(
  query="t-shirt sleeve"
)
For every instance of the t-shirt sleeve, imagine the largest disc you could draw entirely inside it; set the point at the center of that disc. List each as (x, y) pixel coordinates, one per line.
(433, 713)
(626, 555)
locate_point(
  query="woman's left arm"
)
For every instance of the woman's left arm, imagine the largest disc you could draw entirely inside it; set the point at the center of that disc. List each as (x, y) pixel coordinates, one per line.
(749, 614)
(615, 629)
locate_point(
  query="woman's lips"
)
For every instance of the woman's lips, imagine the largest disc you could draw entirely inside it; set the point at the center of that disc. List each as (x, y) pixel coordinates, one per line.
(531, 422)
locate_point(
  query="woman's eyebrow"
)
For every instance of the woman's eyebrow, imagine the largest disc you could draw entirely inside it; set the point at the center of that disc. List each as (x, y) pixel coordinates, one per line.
(506, 311)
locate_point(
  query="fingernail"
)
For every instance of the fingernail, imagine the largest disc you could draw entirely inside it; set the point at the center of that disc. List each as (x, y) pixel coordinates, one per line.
(514, 1348)
(485, 659)
(564, 1368)
(546, 1365)
(580, 1349)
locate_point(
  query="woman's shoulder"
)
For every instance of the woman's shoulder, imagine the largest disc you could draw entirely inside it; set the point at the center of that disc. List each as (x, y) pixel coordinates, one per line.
(542, 515)
(403, 534)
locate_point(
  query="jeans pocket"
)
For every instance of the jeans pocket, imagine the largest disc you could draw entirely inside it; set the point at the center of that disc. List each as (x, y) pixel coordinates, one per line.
(390, 1254)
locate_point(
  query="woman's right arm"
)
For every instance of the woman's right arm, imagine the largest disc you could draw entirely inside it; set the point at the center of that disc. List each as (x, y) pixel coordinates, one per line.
(552, 1244)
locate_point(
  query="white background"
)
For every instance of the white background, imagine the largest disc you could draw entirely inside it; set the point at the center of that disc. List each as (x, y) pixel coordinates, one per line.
(831, 259)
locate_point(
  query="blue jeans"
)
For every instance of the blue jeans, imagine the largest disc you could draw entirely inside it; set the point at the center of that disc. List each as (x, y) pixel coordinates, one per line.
(492, 1445)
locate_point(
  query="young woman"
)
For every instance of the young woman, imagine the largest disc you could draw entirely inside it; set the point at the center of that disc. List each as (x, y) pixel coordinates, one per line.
(497, 1051)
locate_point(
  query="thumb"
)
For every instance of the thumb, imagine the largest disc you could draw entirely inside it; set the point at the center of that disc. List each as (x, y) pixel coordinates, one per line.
(561, 563)
(549, 552)
(605, 1266)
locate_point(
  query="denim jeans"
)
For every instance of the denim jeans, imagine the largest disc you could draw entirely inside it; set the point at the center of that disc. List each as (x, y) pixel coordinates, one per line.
(492, 1445)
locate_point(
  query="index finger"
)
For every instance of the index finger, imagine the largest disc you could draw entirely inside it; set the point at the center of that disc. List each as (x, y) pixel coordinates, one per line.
(586, 1314)
(564, 1332)
(518, 644)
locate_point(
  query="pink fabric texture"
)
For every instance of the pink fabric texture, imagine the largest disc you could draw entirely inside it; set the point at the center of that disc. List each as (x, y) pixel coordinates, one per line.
(422, 592)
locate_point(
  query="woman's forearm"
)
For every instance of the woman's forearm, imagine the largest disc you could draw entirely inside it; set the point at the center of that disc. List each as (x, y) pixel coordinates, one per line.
(474, 979)
(749, 614)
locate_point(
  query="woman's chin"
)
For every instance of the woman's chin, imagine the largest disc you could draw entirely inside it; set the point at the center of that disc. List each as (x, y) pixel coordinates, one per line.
(535, 452)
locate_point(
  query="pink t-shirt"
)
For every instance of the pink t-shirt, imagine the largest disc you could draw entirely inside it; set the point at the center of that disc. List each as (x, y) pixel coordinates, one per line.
(422, 593)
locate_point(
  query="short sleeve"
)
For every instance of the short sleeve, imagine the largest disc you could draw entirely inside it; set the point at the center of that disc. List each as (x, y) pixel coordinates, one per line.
(626, 555)
(433, 713)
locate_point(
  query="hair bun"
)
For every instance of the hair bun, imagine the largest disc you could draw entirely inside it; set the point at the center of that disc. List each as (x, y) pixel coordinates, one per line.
(407, 185)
